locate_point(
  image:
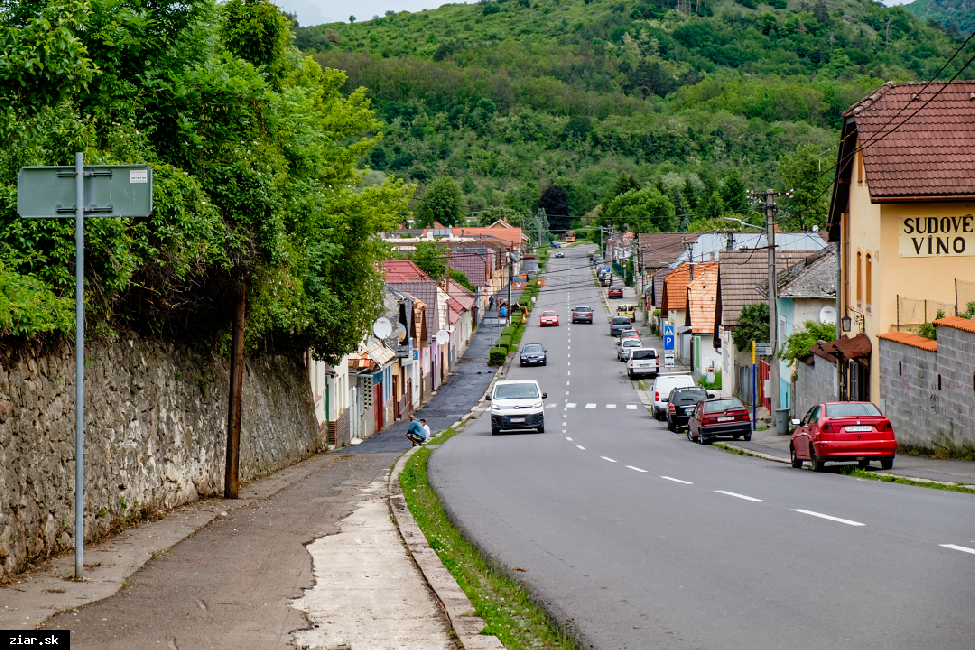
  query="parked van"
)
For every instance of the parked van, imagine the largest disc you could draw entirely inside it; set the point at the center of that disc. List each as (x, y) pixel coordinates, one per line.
(662, 386)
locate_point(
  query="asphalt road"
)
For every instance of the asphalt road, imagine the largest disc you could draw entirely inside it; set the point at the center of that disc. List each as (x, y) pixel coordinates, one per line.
(640, 539)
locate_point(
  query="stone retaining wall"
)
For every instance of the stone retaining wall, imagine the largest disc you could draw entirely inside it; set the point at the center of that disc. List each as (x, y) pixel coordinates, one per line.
(155, 435)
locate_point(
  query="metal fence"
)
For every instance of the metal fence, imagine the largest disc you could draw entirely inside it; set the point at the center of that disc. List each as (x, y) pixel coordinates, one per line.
(913, 312)
(965, 298)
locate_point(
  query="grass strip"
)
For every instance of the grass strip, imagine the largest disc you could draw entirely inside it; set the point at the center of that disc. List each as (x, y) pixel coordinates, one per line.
(856, 472)
(505, 604)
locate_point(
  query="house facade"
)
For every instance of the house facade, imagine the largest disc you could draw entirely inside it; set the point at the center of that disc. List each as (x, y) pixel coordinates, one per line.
(902, 214)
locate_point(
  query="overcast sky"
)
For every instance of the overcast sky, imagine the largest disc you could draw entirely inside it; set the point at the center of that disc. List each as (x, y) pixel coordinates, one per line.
(316, 12)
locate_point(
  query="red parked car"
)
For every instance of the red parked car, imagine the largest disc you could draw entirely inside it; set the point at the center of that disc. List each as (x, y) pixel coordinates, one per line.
(616, 292)
(548, 317)
(843, 432)
(720, 416)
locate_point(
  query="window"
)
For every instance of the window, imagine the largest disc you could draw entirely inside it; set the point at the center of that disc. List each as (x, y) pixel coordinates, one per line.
(859, 167)
(783, 334)
(859, 280)
(869, 281)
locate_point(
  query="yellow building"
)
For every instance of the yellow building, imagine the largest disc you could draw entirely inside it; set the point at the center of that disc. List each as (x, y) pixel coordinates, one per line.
(902, 209)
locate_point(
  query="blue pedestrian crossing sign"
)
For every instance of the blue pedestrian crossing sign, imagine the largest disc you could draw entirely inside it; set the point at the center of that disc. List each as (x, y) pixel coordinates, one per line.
(668, 337)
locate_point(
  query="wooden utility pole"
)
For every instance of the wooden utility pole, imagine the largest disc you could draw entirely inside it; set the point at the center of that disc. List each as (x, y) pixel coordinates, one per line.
(231, 481)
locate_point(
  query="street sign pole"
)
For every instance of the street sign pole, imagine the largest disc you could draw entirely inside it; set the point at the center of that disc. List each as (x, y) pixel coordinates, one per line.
(754, 388)
(47, 192)
(79, 365)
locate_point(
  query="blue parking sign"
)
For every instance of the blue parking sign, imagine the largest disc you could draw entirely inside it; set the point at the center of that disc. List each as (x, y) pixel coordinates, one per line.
(668, 342)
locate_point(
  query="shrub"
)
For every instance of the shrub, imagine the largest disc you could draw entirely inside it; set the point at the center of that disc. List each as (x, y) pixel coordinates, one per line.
(508, 330)
(516, 339)
(715, 386)
(504, 341)
(799, 343)
(497, 356)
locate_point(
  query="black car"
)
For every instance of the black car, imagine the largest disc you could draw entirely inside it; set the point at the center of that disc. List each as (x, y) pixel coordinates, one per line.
(681, 404)
(618, 324)
(582, 314)
(533, 354)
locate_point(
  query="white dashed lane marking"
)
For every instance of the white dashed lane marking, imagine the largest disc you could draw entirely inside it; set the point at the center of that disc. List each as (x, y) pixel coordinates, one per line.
(676, 480)
(964, 549)
(580, 447)
(608, 458)
(636, 469)
(570, 405)
(611, 406)
(590, 406)
(848, 522)
(564, 424)
(632, 407)
(736, 495)
(568, 438)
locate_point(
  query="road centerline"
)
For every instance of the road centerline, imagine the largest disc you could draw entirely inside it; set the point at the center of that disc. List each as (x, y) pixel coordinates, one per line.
(676, 480)
(736, 495)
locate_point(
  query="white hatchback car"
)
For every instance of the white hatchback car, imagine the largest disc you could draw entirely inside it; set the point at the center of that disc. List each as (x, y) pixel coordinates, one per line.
(517, 404)
(660, 391)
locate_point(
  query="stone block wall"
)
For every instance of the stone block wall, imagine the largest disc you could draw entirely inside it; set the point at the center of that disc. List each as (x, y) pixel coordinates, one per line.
(155, 435)
(814, 384)
(930, 396)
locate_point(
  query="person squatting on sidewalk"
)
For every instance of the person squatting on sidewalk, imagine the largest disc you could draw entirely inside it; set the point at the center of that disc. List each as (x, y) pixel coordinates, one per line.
(426, 430)
(415, 432)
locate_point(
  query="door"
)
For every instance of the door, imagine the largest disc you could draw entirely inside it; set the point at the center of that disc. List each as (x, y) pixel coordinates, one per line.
(377, 403)
(396, 411)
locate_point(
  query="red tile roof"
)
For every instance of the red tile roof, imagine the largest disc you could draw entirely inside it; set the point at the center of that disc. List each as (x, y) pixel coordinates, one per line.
(957, 322)
(910, 339)
(404, 271)
(928, 147)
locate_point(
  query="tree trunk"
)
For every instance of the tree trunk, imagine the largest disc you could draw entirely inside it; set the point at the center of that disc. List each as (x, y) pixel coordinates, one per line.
(231, 483)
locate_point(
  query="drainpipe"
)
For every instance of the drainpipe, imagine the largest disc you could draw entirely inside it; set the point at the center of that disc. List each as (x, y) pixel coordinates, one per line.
(839, 278)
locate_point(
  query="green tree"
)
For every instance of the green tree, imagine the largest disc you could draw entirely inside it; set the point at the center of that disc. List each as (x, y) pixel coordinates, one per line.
(431, 258)
(621, 185)
(734, 193)
(442, 202)
(256, 31)
(798, 344)
(489, 215)
(801, 172)
(752, 326)
(461, 278)
(642, 211)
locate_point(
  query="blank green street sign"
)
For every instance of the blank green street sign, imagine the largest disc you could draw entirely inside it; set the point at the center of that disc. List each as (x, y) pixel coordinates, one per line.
(110, 191)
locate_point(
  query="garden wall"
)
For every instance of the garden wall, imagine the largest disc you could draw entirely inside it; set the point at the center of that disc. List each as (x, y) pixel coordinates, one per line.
(155, 435)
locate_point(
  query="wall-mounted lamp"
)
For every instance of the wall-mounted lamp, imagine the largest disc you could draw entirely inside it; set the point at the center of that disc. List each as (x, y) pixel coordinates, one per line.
(847, 323)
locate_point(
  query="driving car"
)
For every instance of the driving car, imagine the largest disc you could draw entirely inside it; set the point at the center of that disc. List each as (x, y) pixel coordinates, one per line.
(559, 254)
(627, 310)
(618, 324)
(616, 292)
(661, 388)
(843, 431)
(548, 317)
(719, 416)
(582, 314)
(642, 361)
(554, 244)
(625, 345)
(517, 404)
(533, 354)
(680, 405)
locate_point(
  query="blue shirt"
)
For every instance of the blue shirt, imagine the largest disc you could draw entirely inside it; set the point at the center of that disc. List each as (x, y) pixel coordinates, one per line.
(416, 428)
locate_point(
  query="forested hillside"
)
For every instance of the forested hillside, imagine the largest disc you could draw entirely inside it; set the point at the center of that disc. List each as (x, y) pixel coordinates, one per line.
(509, 97)
(955, 15)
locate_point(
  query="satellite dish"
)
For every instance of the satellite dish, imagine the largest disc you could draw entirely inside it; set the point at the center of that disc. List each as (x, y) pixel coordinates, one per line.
(402, 332)
(442, 337)
(382, 327)
(827, 315)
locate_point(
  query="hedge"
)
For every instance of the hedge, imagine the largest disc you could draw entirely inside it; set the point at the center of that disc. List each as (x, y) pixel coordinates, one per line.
(497, 356)
(508, 330)
(504, 341)
(516, 339)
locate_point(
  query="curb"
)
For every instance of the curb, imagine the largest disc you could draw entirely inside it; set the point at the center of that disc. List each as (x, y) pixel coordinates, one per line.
(454, 603)
(786, 461)
(452, 600)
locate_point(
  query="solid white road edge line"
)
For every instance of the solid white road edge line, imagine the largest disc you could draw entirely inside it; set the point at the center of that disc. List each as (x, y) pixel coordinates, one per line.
(746, 498)
(636, 469)
(608, 458)
(959, 548)
(676, 480)
(848, 522)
